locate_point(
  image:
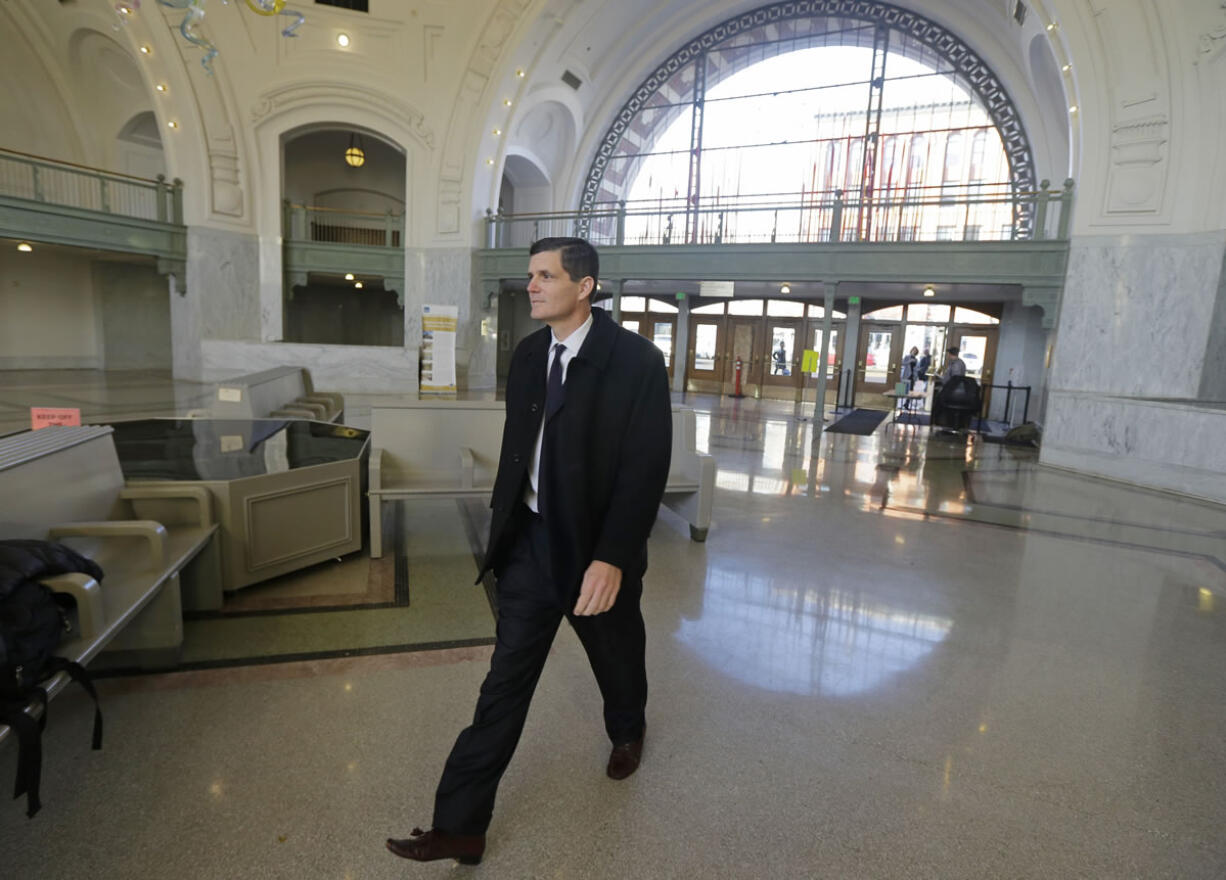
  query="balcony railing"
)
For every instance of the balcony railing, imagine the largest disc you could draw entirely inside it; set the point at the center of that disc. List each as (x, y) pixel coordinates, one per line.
(91, 189)
(971, 212)
(361, 228)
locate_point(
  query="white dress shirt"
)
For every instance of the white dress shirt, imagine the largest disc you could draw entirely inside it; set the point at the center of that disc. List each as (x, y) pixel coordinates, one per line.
(570, 347)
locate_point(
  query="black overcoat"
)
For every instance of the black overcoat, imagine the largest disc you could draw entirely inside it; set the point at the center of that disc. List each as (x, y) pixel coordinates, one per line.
(614, 433)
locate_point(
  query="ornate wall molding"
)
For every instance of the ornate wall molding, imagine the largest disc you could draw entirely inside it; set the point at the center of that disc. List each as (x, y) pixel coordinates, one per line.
(280, 100)
(1212, 43)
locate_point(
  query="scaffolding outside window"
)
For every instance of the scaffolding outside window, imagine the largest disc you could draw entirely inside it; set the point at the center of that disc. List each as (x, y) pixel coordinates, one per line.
(780, 131)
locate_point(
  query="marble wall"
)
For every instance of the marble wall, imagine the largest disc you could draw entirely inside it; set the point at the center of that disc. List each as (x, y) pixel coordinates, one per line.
(355, 369)
(445, 276)
(1019, 358)
(1213, 376)
(223, 271)
(1136, 314)
(1138, 361)
(1162, 443)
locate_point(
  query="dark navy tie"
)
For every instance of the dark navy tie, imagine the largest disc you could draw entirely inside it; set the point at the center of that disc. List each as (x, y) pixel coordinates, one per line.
(554, 394)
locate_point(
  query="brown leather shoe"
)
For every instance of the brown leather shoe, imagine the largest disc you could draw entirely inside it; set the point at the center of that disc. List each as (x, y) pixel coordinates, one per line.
(427, 846)
(624, 759)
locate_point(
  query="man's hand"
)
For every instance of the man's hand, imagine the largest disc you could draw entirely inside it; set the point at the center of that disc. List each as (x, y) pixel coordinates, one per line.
(601, 582)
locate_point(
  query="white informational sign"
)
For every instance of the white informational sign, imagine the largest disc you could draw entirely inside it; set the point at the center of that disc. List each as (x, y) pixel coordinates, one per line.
(438, 327)
(716, 288)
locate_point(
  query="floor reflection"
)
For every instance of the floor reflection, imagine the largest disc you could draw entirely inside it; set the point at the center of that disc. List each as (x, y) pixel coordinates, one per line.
(772, 634)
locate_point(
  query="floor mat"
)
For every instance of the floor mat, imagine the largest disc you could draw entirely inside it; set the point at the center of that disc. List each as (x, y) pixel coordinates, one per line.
(858, 421)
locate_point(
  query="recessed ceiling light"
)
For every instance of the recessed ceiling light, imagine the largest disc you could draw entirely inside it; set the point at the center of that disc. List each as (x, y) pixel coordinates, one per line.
(358, 285)
(928, 291)
(145, 50)
(25, 247)
(348, 276)
(342, 40)
(784, 288)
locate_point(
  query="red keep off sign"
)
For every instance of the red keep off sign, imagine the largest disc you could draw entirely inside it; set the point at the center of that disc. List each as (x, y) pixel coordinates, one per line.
(46, 416)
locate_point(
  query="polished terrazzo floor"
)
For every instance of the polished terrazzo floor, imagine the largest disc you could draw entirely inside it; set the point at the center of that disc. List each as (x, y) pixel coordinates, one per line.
(902, 656)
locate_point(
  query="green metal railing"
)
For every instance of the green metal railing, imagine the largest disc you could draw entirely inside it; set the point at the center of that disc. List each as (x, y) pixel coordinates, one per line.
(66, 184)
(968, 212)
(362, 228)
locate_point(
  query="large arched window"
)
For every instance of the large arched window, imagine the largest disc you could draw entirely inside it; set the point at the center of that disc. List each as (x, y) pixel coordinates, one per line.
(783, 122)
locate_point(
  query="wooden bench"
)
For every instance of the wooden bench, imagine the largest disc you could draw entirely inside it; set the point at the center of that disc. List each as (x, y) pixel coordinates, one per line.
(449, 449)
(281, 392)
(157, 547)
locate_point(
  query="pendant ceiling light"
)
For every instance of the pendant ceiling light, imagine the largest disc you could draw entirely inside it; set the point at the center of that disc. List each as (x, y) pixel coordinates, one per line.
(355, 156)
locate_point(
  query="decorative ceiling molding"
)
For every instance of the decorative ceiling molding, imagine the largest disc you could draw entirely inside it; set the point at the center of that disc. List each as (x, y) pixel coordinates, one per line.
(305, 94)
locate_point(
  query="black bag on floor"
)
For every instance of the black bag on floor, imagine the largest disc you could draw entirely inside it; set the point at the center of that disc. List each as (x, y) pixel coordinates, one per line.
(33, 621)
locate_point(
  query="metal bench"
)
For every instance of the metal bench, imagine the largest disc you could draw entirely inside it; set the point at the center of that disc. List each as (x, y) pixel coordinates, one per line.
(449, 449)
(156, 547)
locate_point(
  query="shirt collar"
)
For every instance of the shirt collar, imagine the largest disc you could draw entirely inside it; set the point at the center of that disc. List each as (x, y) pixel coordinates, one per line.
(574, 342)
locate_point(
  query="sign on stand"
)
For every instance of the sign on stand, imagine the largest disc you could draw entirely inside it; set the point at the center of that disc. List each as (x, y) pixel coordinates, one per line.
(438, 329)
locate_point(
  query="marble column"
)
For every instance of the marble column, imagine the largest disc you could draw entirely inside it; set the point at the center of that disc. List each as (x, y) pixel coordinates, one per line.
(681, 345)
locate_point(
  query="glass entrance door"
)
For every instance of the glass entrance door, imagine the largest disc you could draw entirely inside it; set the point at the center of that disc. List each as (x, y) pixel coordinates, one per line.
(977, 348)
(782, 367)
(745, 344)
(706, 355)
(662, 331)
(880, 352)
(832, 362)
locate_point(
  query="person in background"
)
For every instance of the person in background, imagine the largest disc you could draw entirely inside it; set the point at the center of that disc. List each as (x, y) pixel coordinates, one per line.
(954, 365)
(925, 364)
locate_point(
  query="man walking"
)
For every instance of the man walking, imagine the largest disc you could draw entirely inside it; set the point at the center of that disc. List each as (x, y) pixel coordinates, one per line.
(585, 456)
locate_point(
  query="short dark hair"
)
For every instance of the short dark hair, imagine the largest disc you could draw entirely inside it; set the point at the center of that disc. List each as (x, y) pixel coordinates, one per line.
(579, 258)
(953, 349)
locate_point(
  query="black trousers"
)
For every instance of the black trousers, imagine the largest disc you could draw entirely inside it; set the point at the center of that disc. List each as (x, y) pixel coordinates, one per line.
(530, 610)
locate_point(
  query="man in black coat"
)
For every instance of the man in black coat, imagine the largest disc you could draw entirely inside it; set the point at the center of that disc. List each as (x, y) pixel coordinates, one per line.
(585, 456)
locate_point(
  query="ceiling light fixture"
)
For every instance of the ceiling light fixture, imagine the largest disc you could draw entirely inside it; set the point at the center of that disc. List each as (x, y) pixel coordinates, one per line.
(355, 156)
(506, 102)
(521, 73)
(145, 50)
(784, 288)
(172, 124)
(1066, 68)
(25, 247)
(497, 132)
(929, 291)
(342, 40)
(358, 285)
(348, 276)
(1072, 109)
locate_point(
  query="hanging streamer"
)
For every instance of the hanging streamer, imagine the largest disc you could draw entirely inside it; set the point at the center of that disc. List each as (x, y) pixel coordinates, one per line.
(194, 13)
(277, 7)
(289, 31)
(194, 10)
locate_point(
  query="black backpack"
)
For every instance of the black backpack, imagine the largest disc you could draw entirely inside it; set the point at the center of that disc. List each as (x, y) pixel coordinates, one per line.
(33, 621)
